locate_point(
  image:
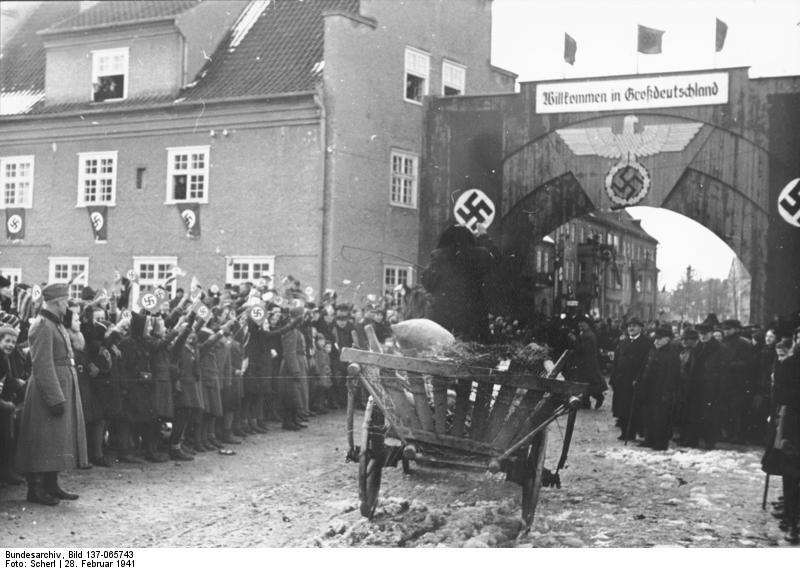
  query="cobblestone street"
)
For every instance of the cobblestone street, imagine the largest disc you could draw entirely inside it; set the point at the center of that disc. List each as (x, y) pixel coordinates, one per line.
(295, 489)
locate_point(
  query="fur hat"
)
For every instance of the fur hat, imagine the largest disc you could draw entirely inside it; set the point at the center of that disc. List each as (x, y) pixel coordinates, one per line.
(634, 321)
(704, 328)
(731, 324)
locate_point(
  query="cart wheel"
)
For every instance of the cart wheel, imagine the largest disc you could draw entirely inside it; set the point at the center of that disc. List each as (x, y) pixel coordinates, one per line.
(369, 484)
(532, 482)
(371, 459)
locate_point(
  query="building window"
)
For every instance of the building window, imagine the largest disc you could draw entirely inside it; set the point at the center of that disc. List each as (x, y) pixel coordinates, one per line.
(97, 178)
(140, 177)
(241, 269)
(404, 179)
(187, 174)
(70, 269)
(16, 180)
(13, 274)
(418, 64)
(109, 74)
(154, 271)
(394, 275)
(454, 78)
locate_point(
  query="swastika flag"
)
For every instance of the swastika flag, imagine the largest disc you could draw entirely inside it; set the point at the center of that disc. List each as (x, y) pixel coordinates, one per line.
(190, 215)
(98, 218)
(15, 223)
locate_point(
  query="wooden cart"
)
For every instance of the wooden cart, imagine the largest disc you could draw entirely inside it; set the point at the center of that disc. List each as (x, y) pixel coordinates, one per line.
(498, 421)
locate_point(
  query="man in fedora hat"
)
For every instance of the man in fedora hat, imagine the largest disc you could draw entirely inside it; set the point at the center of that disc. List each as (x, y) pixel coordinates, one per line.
(658, 389)
(52, 434)
(629, 362)
(740, 377)
(702, 405)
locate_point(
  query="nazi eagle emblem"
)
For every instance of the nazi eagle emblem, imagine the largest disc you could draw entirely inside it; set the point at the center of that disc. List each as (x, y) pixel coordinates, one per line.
(628, 181)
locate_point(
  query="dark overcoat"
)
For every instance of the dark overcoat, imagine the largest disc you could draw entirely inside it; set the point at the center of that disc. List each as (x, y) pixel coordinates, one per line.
(629, 362)
(294, 369)
(705, 383)
(48, 443)
(189, 390)
(658, 389)
(455, 280)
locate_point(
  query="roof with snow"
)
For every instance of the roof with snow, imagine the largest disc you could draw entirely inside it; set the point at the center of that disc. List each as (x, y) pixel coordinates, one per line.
(104, 14)
(22, 57)
(276, 46)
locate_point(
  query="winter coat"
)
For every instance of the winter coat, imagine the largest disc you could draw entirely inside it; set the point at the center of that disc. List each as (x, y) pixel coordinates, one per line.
(658, 389)
(705, 382)
(455, 280)
(46, 442)
(295, 362)
(588, 366)
(629, 362)
(189, 390)
(209, 375)
(136, 379)
(161, 357)
(783, 454)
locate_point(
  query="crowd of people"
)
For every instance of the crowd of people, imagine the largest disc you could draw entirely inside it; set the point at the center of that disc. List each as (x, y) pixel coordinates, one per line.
(702, 384)
(91, 382)
(108, 384)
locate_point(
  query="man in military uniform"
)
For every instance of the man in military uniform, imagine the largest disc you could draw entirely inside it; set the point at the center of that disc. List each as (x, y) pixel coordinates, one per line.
(52, 433)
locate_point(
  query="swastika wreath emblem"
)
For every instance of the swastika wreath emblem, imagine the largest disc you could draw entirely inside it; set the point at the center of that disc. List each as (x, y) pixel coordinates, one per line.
(14, 224)
(627, 183)
(474, 207)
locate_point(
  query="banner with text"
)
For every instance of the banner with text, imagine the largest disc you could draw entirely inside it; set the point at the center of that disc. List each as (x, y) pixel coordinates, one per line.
(632, 93)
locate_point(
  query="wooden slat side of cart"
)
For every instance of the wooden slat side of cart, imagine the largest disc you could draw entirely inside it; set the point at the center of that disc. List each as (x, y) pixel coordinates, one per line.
(453, 415)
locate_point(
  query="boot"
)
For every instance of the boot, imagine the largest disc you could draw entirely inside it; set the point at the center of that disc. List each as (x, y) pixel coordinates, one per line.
(257, 428)
(227, 437)
(102, 461)
(52, 487)
(212, 439)
(36, 492)
(178, 454)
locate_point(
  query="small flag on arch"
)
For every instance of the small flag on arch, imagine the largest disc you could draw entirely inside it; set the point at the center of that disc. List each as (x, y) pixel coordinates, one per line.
(649, 40)
(570, 48)
(722, 32)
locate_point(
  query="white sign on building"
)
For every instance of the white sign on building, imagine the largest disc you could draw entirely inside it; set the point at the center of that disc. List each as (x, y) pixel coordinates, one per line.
(632, 93)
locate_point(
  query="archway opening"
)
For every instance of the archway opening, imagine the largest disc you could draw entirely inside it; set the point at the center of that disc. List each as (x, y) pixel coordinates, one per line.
(647, 262)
